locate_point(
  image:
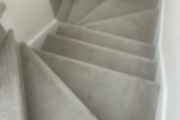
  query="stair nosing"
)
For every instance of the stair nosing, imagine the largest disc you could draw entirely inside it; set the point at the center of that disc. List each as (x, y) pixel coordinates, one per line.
(94, 66)
(101, 47)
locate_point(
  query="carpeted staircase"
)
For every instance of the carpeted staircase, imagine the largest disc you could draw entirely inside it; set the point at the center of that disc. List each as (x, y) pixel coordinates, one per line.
(98, 66)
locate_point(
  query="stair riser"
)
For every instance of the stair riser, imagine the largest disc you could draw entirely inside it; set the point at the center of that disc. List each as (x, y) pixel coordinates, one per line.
(48, 98)
(100, 56)
(107, 40)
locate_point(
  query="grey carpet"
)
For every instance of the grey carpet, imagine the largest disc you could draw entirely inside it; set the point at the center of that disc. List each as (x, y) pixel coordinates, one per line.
(101, 56)
(101, 70)
(3, 34)
(65, 10)
(117, 8)
(48, 98)
(12, 98)
(56, 5)
(107, 40)
(109, 95)
(81, 8)
(2, 8)
(140, 26)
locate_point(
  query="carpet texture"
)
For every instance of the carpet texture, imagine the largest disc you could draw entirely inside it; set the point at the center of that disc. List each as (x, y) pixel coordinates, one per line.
(109, 95)
(99, 65)
(106, 58)
(116, 8)
(12, 98)
(101, 56)
(81, 8)
(48, 98)
(139, 26)
(107, 40)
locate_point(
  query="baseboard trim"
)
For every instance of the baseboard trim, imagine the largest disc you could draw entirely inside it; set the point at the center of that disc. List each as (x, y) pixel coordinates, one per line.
(38, 40)
(164, 85)
(162, 75)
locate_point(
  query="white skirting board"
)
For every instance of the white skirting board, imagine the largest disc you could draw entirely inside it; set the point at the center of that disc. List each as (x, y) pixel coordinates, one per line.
(38, 40)
(160, 77)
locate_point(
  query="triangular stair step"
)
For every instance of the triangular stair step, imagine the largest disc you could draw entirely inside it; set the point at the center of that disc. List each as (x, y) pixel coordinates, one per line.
(107, 40)
(101, 56)
(65, 10)
(117, 8)
(81, 8)
(12, 98)
(140, 26)
(48, 98)
(55, 5)
(109, 95)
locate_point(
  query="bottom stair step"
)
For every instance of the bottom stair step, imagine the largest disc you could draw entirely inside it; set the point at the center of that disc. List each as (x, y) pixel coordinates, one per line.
(48, 98)
(108, 94)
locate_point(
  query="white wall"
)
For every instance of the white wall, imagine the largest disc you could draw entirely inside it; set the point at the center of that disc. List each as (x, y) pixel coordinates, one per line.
(170, 47)
(169, 52)
(27, 17)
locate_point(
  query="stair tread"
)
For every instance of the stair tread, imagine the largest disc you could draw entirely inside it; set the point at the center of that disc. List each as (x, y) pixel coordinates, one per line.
(108, 94)
(65, 10)
(102, 68)
(81, 8)
(116, 8)
(12, 97)
(48, 98)
(101, 56)
(140, 26)
(107, 40)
